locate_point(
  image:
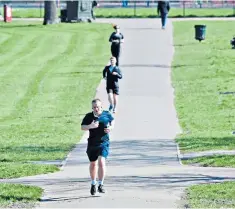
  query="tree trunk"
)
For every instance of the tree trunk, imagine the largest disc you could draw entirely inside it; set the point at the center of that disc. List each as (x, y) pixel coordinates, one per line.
(50, 13)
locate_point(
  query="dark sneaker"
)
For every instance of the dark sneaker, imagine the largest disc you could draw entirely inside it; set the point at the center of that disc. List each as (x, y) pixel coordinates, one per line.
(93, 189)
(101, 189)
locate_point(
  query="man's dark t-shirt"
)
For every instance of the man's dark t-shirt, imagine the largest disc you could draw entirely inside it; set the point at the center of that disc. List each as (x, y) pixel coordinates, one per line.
(116, 36)
(112, 80)
(97, 136)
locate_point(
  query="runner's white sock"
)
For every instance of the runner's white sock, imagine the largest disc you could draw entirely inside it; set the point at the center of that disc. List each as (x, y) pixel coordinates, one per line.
(93, 182)
(101, 182)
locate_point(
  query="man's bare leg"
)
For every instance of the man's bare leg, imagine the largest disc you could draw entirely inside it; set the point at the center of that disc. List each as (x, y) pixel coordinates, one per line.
(93, 172)
(115, 102)
(101, 173)
(110, 98)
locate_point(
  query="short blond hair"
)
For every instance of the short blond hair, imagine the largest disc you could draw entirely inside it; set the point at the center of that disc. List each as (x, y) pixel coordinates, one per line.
(95, 101)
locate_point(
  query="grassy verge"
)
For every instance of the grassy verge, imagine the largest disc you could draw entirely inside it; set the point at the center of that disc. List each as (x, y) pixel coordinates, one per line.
(130, 12)
(219, 195)
(19, 196)
(213, 161)
(47, 80)
(152, 12)
(29, 13)
(203, 74)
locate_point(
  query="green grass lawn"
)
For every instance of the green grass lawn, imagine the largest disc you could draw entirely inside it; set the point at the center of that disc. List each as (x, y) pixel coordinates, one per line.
(152, 12)
(202, 73)
(48, 76)
(130, 12)
(213, 161)
(218, 195)
(29, 12)
(19, 196)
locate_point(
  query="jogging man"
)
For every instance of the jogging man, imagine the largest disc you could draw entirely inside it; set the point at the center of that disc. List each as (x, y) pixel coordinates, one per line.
(112, 73)
(99, 123)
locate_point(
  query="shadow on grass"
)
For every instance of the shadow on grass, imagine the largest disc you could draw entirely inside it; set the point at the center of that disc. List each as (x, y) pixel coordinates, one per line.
(84, 72)
(206, 164)
(192, 144)
(65, 116)
(34, 150)
(32, 154)
(21, 26)
(15, 198)
(77, 73)
(194, 42)
(144, 65)
(227, 92)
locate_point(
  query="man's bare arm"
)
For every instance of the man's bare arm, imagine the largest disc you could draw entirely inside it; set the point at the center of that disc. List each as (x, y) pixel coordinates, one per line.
(109, 128)
(85, 127)
(94, 124)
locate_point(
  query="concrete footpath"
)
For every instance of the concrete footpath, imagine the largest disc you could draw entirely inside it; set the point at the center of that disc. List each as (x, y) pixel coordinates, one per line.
(143, 167)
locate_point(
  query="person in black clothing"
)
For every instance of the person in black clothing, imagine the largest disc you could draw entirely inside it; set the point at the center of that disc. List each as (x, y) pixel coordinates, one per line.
(112, 73)
(99, 123)
(163, 8)
(116, 39)
(94, 4)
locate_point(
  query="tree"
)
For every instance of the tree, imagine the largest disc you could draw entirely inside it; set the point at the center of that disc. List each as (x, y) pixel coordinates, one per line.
(50, 12)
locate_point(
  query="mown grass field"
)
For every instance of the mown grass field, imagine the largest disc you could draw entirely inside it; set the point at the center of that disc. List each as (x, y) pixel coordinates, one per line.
(203, 78)
(48, 76)
(152, 12)
(213, 161)
(19, 196)
(137, 13)
(217, 195)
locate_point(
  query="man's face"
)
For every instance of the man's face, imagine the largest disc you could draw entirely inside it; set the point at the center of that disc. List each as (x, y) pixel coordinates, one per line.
(112, 61)
(97, 108)
(118, 30)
